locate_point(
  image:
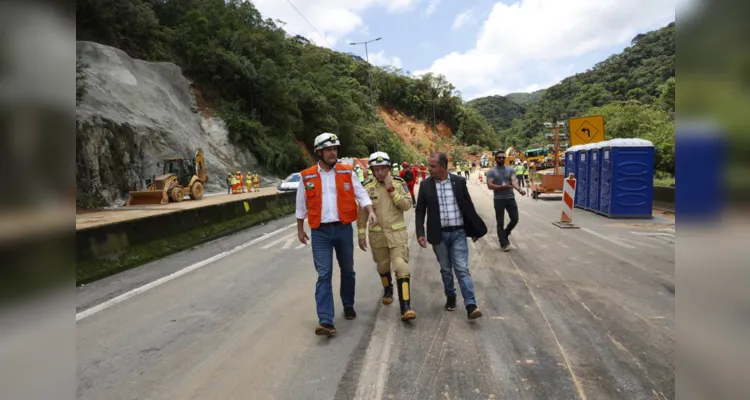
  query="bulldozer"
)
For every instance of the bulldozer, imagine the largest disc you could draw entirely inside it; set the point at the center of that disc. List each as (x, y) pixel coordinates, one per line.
(179, 176)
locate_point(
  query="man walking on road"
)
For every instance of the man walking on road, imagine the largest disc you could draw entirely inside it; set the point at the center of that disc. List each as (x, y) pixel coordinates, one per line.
(328, 197)
(389, 239)
(502, 180)
(451, 218)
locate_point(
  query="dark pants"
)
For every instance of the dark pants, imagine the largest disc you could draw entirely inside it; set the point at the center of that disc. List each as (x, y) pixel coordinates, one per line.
(519, 178)
(324, 241)
(501, 205)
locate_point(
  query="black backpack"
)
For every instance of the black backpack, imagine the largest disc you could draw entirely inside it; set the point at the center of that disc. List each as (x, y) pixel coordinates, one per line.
(407, 175)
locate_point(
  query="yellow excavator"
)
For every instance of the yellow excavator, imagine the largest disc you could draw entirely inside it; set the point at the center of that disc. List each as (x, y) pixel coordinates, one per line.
(179, 177)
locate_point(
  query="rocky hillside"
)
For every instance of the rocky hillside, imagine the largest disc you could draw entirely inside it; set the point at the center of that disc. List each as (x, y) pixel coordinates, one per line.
(136, 113)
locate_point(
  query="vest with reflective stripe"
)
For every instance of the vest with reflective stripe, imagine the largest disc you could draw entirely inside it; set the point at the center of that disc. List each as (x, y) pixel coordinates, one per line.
(313, 187)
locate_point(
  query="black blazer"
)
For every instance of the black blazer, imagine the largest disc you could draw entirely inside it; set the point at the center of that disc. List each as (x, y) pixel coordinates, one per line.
(427, 203)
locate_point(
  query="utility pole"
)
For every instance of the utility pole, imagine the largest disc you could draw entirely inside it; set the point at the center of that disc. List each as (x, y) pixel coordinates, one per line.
(434, 124)
(372, 96)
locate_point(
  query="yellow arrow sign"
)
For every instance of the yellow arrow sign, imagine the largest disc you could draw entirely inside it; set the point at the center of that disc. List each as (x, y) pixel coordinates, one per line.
(585, 130)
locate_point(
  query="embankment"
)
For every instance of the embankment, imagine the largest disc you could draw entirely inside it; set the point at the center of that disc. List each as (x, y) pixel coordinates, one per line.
(107, 249)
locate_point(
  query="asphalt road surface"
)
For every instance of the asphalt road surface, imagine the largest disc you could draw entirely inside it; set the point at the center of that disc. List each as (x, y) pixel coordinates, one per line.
(568, 314)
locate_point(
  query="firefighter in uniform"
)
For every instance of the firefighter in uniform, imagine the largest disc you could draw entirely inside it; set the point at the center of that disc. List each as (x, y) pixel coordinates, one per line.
(388, 238)
(256, 182)
(249, 180)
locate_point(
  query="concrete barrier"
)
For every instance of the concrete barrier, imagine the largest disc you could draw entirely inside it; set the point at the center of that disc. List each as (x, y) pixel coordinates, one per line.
(664, 198)
(108, 249)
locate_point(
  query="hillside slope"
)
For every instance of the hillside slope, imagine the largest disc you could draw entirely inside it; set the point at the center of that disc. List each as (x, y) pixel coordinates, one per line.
(634, 90)
(135, 114)
(418, 136)
(499, 111)
(275, 91)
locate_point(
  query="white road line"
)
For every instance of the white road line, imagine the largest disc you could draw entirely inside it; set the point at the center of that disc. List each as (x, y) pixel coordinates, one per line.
(119, 299)
(301, 245)
(274, 243)
(375, 364)
(288, 243)
(614, 241)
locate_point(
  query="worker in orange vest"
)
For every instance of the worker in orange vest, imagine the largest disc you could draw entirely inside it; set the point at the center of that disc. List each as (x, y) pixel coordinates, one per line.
(328, 197)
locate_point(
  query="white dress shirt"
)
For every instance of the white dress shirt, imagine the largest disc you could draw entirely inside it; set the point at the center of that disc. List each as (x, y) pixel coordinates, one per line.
(330, 212)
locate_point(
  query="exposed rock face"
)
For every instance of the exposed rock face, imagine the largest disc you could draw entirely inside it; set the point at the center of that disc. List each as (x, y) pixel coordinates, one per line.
(137, 113)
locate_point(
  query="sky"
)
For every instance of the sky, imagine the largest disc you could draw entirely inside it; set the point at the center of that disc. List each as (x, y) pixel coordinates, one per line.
(483, 47)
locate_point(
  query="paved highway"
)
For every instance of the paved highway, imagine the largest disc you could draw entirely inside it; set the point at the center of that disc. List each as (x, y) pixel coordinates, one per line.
(568, 314)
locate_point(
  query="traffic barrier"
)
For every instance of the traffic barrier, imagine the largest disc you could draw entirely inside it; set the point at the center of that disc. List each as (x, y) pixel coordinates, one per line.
(568, 201)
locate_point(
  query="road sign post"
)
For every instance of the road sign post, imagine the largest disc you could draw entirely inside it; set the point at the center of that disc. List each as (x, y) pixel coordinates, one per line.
(586, 130)
(569, 195)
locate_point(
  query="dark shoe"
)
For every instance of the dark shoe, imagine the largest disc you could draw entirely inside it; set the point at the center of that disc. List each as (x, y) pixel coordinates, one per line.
(404, 299)
(473, 311)
(505, 247)
(387, 282)
(349, 313)
(450, 304)
(325, 330)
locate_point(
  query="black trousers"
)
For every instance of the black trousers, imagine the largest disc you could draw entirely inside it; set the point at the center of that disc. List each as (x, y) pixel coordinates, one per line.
(502, 205)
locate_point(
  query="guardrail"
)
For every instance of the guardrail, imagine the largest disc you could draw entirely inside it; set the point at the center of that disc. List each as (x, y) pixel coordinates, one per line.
(105, 250)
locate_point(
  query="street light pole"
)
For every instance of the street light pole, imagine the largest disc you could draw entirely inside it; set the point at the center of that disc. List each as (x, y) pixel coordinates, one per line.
(372, 96)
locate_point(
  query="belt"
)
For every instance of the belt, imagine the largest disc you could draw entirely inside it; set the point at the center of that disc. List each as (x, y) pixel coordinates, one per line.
(452, 228)
(324, 224)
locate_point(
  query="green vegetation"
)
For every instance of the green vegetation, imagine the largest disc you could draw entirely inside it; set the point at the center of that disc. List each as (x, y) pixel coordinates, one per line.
(128, 257)
(275, 91)
(634, 90)
(525, 98)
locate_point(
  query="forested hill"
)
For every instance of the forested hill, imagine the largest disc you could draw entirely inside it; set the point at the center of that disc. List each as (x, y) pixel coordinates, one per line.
(634, 90)
(275, 92)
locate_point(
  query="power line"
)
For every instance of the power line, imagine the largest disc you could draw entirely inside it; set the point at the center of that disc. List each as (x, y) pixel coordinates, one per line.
(309, 23)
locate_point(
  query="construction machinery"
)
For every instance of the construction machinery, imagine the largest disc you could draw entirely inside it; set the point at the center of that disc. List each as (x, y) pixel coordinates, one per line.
(179, 177)
(512, 154)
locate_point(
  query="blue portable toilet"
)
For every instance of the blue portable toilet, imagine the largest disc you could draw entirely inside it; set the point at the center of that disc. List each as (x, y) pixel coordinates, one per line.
(594, 182)
(571, 163)
(582, 176)
(627, 178)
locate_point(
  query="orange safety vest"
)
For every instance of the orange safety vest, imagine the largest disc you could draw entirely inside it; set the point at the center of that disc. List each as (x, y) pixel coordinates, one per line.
(346, 201)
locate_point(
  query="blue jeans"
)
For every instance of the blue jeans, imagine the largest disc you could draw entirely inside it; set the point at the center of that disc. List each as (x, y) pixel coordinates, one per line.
(453, 255)
(324, 241)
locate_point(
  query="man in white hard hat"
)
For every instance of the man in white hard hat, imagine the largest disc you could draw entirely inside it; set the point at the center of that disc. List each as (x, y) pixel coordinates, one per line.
(388, 238)
(328, 197)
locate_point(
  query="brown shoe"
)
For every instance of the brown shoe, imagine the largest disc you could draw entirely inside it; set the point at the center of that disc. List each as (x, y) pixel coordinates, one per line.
(325, 330)
(473, 311)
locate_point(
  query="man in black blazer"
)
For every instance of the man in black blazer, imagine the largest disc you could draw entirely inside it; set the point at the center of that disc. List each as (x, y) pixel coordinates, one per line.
(451, 218)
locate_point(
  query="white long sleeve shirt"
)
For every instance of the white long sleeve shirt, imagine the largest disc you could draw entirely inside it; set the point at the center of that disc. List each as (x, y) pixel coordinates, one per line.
(330, 212)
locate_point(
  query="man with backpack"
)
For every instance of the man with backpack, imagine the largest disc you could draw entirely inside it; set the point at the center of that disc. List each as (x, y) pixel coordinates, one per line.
(407, 175)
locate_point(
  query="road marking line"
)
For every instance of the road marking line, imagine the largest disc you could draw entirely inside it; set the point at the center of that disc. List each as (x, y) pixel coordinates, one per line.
(576, 382)
(119, 299)
(288, 243)
(614, 241)
(301, 245)
(274, 243)
(375, 365)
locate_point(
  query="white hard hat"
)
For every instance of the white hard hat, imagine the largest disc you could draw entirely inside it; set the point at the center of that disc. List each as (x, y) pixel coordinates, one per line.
(379, 158)
(326, 140)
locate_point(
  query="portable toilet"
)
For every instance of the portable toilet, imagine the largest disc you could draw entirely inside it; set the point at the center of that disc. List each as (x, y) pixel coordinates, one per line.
(627, 178)
(594, 182)
(582, 176)
(571, 163)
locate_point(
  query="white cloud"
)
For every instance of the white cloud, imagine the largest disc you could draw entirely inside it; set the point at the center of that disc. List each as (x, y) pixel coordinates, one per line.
(431, 7)
(381, 59)
(534, 41)
(332, 18)
(463, 19)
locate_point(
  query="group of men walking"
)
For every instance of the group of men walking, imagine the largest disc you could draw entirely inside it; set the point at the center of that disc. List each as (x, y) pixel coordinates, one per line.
(331, 198)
